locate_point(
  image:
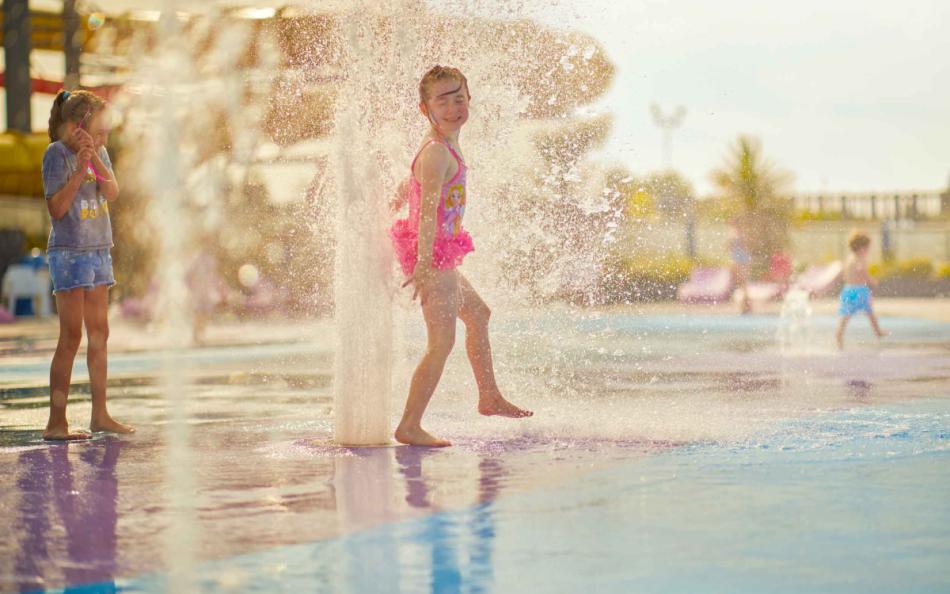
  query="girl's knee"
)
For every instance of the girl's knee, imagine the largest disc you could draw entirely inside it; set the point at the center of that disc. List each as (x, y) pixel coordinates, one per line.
(70, 339)
(98, 338)
(441, 344)
(477, 316)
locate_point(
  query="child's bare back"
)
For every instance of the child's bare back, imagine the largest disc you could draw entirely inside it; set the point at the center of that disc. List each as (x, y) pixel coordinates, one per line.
(856, 271)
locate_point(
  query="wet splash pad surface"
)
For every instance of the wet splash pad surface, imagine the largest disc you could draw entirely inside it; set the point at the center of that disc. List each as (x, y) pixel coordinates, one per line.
(668, 454)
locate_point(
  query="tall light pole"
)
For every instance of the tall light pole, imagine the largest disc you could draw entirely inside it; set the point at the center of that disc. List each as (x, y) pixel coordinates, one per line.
(16, 46)
(72, 44)
(668, 123)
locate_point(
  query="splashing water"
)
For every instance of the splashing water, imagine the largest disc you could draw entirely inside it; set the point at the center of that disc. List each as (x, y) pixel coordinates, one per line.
(540, 214)
(171, 140)
(376, 127)
(795, 333)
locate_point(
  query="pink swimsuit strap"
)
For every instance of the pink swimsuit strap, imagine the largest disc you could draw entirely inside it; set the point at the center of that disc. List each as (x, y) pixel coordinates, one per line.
(461, 164)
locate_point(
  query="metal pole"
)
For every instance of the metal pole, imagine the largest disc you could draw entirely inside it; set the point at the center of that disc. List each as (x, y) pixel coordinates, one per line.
(691, 233)
(16, 47)
(667, 148)
(72, 44)
(666, 124)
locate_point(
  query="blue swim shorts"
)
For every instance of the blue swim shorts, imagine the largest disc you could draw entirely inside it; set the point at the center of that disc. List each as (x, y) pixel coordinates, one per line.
(855, 298)
(72, 269)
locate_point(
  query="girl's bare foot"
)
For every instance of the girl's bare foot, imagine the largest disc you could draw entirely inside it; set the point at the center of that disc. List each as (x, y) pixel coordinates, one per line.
(62, 433)
(109, 425)
(496, 405)
(419, 437)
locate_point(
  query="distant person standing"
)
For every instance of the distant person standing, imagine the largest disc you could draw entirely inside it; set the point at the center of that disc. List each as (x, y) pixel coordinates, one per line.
(887, 250)
(856, 293)
(741, 261)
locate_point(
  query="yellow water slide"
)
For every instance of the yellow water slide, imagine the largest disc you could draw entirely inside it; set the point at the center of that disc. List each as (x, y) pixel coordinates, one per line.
(21, 157)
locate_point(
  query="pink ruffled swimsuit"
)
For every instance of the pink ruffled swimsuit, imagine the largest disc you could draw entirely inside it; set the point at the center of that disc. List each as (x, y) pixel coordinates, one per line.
(452, 242)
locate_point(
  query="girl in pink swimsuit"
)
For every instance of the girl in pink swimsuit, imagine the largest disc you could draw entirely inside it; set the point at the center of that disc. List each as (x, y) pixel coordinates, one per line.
(430, 244)
(452, 242)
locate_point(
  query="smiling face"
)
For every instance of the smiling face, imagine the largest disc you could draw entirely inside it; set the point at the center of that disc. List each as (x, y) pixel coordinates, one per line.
(446, 104)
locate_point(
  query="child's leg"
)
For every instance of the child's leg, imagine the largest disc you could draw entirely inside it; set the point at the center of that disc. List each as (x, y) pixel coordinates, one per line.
(839, 335)
(742, 276)
(475, 314)
(877, 328)
(96, 317)
(440, 309)
(69, 305)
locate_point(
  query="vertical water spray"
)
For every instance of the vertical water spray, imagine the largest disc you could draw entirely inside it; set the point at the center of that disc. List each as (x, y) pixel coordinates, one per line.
(187, 79)
(363, 261)
(519, 145)
(163, 104)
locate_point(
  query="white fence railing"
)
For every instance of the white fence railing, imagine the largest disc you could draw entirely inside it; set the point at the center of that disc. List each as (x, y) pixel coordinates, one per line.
(876, 205)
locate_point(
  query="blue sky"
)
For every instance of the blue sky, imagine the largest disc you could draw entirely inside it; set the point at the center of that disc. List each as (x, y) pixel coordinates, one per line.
(846, 95)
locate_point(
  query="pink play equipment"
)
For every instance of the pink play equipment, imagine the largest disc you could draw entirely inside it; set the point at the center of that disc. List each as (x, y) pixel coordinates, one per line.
(819, 279)
(706, 285)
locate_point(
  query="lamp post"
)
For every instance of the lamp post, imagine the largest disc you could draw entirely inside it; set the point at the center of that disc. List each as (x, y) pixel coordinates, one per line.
(667, 123)
(72, 44)
(16, 46)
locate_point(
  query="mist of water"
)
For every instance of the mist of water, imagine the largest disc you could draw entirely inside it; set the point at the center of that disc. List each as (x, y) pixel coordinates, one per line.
(538, 216)
(539, 213)
(169, 110)
(795, 333)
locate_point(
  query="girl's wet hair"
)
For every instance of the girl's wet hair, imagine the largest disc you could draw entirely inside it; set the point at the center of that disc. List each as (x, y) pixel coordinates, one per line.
(437, 73)
(72, 106)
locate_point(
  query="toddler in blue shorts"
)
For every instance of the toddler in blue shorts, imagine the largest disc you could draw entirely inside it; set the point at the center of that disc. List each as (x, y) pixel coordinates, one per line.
(856, 294)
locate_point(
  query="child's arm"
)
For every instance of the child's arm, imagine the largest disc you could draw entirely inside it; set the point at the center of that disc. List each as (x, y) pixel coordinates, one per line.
(101, 164)
(59, 202)
(105, 177)
(400, 197)
(432, 166)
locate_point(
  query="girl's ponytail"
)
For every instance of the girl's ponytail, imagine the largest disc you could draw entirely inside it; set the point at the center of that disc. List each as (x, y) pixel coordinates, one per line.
(56, 114)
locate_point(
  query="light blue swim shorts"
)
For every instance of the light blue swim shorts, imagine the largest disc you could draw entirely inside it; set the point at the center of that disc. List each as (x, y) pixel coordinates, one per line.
(855, 298)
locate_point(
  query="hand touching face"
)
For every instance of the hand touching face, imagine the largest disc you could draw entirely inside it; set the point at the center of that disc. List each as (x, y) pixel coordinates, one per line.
(97, 128)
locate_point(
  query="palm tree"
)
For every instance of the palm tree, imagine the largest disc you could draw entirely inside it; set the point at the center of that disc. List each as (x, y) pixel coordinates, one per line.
(748, 178)
(755, 189)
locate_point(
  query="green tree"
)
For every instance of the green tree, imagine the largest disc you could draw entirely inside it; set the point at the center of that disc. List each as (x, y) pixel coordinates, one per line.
(754, 192)
(749, 180)
(669, 192)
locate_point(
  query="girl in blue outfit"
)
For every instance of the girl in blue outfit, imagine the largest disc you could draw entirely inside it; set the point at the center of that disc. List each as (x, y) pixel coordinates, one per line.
(856, 293)
(79, 185)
